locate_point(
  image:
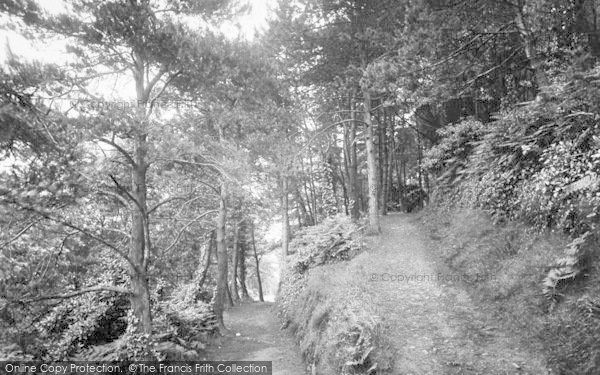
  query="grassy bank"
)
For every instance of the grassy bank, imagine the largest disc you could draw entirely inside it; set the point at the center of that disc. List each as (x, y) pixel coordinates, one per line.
(505, 266)
(322, 300)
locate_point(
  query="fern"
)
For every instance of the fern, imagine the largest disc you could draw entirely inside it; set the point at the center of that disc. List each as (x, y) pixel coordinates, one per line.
(567, 268)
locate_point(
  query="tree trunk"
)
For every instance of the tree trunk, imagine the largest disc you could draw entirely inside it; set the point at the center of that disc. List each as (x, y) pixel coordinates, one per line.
(530, 45)
(222, 289)
(394, 166)
(242, 261)
(140, 296)
(229, 299)
(356, 194)
(390, 166)
(311, 210)
(258, 279)
(384, 162)
(310, 219)
(234, 264)
(302, 209)
(419, 168)
(346, 169)
(350, 163)
(343, 178)
(313, 189)
(285, 232)
(298, 215)
(209, 250)
(379, 155)
(333, 180)
(243, 286)
(373, 226)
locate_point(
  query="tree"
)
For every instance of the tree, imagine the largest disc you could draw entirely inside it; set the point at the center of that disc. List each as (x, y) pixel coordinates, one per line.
(340, 45)
(143, 38)
(257, 263)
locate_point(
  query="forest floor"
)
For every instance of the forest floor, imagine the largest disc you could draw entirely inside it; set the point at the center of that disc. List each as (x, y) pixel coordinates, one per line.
(255, 335)
(430, 322)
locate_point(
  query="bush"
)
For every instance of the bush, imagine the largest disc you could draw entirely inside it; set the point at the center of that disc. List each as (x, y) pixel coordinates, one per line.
(82, 322)
(181, 327)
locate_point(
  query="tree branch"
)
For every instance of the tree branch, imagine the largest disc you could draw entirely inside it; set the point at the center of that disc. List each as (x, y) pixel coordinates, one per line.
(112, 247)
(212, 187)
(22, 232)
(153, 82)
(162, 90)
(187, 226)
(131, 197)
(483, 74)
(168, 200)
(114, 195)
(104, 288)
(196, 164)
(121, 150)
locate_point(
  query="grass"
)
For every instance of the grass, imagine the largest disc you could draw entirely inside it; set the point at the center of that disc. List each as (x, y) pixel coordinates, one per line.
(514, 260)
(341, 321)
(326, 304)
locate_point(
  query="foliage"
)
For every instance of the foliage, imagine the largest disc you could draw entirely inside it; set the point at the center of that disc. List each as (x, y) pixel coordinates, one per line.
(569, 267)
(537, 162)
(414, 197)
(22, 123)
(186, 310)
(337, 333)
(334, 240)
(182, 327)
(82, 322)
(449, 157)
(512, 258)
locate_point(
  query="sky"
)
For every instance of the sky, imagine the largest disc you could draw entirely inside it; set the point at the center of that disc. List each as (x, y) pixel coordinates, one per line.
(255, 20)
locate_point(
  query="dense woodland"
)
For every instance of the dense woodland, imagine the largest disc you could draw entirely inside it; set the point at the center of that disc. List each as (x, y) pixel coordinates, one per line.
(138, 177)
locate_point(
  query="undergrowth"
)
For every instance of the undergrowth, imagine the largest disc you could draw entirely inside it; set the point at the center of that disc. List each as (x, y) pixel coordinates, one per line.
(101, 327)
(338, 332)
(515, 259)
(536, 164)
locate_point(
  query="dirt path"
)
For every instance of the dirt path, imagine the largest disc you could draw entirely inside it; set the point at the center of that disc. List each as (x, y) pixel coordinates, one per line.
(259, 339)
(434, 326)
